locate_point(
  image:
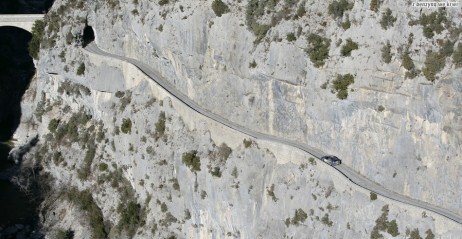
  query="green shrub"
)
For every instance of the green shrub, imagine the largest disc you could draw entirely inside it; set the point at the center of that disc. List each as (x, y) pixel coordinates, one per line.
(375, 5)
(386, 53)
(126, 126)
(407, 61)
(130, 217)
(447, 48)
(434, 63)
(415, 234)
(299, 217)
(53, 125)
(340, 85)
(160, 125)
(457, 56)
(392, 228)
(64, 234)
(254, 10)
(81, 69)
(291, 37)
(86, 203)
(318, 49)
(326, 220)
(373, 196)
(253, 64)
(430, 234)
(191, 160)
(38, 30)
(219, 7)
(338, 8)
(216, 172)
(380, 108)
(301, 11)
(387, 19)
(85, 170)
(224, 151)
(347, 24)
(247, 143)
(433, 23)
(163, 2)
(119, 94)
(102, 166)
(349, 47)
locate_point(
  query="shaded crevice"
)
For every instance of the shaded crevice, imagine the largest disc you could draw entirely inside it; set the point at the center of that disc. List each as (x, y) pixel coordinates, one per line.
(88, 35)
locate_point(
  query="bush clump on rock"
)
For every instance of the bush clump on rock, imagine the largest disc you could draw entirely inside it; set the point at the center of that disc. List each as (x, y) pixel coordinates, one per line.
(219, 7)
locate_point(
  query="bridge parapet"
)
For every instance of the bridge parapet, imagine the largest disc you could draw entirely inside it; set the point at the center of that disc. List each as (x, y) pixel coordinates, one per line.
(24, 21)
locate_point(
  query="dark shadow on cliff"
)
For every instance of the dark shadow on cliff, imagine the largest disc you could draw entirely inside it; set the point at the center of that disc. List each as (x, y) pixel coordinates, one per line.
(16, 72)
(25, 6)
(88, 35)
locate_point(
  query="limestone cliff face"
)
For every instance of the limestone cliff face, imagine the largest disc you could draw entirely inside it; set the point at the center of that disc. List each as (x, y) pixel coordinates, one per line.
(112, 115)
(416, 135)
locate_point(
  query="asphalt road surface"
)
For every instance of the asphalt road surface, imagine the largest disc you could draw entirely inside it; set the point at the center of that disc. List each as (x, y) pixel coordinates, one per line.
(352, 175)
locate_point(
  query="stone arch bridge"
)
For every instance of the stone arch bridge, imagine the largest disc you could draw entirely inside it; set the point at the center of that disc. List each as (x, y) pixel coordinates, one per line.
(24, 21)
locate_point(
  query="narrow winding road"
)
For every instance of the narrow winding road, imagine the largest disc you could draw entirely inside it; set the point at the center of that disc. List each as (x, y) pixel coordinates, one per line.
(353, 176)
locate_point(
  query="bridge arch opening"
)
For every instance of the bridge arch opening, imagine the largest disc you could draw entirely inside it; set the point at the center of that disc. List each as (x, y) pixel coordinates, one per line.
(88, 35)
(16, 71)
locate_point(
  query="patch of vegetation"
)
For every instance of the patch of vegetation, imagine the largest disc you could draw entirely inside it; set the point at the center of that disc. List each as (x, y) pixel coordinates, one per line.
(253, 64)
(382, 224)
(380, 108)
(346, 24)
(119, 94)
(219, 7)
(130, 217)
(125, 100)
(447, 48)
(255, 10)
(191, 160)
(64, 234)
(341, 83)
(270, 192)
(434, 63)
(38, 30)
(224, 151)
(430, 234)
(326, 220)
(126, 126)
(235, 173)
(85, 202)
(318, 49)
(74, 89)
(349, 46)
(374, 5)
(408, 64)
(373, 196)
(338, 8)
(415, 234)
(386, 53)
(163, 2)
(387, 19)
(53, 125)
(312, 161)
(247, 143)
(216, 172)
(85, 170)
(457, 56)
(291, 37)
(299, 217)
(433, 23)
(160, 125)
(81, 69)
(102, 166)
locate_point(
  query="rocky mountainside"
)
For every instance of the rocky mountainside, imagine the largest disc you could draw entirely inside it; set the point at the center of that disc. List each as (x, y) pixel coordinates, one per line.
(375, 82)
